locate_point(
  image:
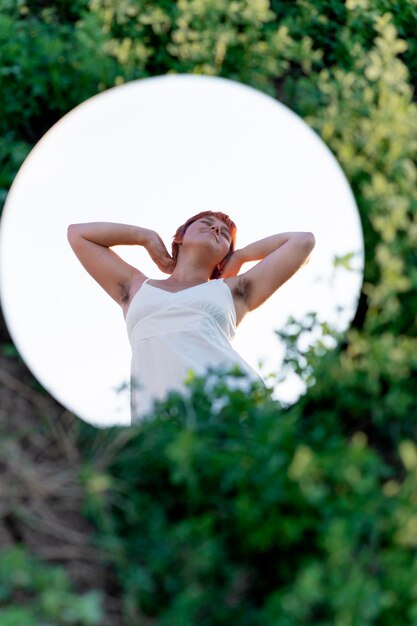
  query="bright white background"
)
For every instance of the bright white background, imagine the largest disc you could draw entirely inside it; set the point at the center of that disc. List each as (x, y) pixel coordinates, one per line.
(154, 152)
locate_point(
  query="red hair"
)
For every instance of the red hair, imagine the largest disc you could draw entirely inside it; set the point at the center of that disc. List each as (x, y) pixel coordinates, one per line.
(179, 235)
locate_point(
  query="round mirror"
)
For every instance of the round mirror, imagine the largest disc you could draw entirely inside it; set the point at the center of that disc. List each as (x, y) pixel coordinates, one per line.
(152, 153)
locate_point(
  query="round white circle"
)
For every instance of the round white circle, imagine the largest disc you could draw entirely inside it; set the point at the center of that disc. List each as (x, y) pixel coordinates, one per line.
(152, 153)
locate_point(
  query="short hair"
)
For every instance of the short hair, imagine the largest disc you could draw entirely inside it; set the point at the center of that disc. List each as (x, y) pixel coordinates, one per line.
(221, 216)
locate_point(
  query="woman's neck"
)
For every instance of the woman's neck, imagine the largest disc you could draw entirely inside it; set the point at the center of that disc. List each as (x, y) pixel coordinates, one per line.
(189, 273)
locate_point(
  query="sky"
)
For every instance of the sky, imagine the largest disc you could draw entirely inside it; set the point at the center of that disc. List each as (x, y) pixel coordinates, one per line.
(153, 152)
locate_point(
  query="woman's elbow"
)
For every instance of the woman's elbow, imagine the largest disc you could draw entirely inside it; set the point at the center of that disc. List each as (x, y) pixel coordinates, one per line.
(74, 231)
(76, 227)
(310, 238)
(70, 231)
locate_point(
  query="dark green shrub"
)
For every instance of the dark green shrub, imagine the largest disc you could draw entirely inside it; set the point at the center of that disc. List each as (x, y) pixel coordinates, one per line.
(226, 508)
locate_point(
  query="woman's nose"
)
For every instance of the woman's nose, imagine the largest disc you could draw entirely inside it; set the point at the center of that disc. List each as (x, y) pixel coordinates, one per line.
(216, 227)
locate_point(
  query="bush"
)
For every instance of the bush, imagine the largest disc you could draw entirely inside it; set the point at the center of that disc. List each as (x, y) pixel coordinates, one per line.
(227, 508)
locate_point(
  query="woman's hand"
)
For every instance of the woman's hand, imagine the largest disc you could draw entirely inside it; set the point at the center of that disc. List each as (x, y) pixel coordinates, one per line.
(233, 265)
(158, 253)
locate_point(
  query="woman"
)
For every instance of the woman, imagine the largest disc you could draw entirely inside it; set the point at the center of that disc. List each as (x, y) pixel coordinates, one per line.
(185, 322)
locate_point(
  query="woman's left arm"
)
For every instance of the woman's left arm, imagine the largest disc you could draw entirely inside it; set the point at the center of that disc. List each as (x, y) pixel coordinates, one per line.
(280, 256)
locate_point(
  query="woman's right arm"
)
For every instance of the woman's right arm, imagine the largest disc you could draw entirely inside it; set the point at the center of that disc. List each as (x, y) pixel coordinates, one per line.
(91, 242)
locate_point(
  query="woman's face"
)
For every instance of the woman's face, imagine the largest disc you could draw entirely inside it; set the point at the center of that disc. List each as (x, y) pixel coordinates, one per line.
(213, 232)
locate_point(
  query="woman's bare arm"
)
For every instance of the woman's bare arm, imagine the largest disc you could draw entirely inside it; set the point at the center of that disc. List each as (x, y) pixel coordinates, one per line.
(91, 242)
(279, 256)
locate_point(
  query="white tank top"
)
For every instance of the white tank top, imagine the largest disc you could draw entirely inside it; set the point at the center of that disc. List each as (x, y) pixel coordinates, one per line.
(172, 334)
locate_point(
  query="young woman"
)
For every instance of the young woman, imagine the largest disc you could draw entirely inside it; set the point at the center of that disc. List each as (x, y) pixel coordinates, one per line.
(185, 322)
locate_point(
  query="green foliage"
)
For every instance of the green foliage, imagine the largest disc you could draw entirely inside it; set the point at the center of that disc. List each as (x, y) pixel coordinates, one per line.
(235, 39)
(337, 27)
(369, 385)
(305, 361)
(47, 67)
(227, 508)
(33, 593)
(367, 116)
